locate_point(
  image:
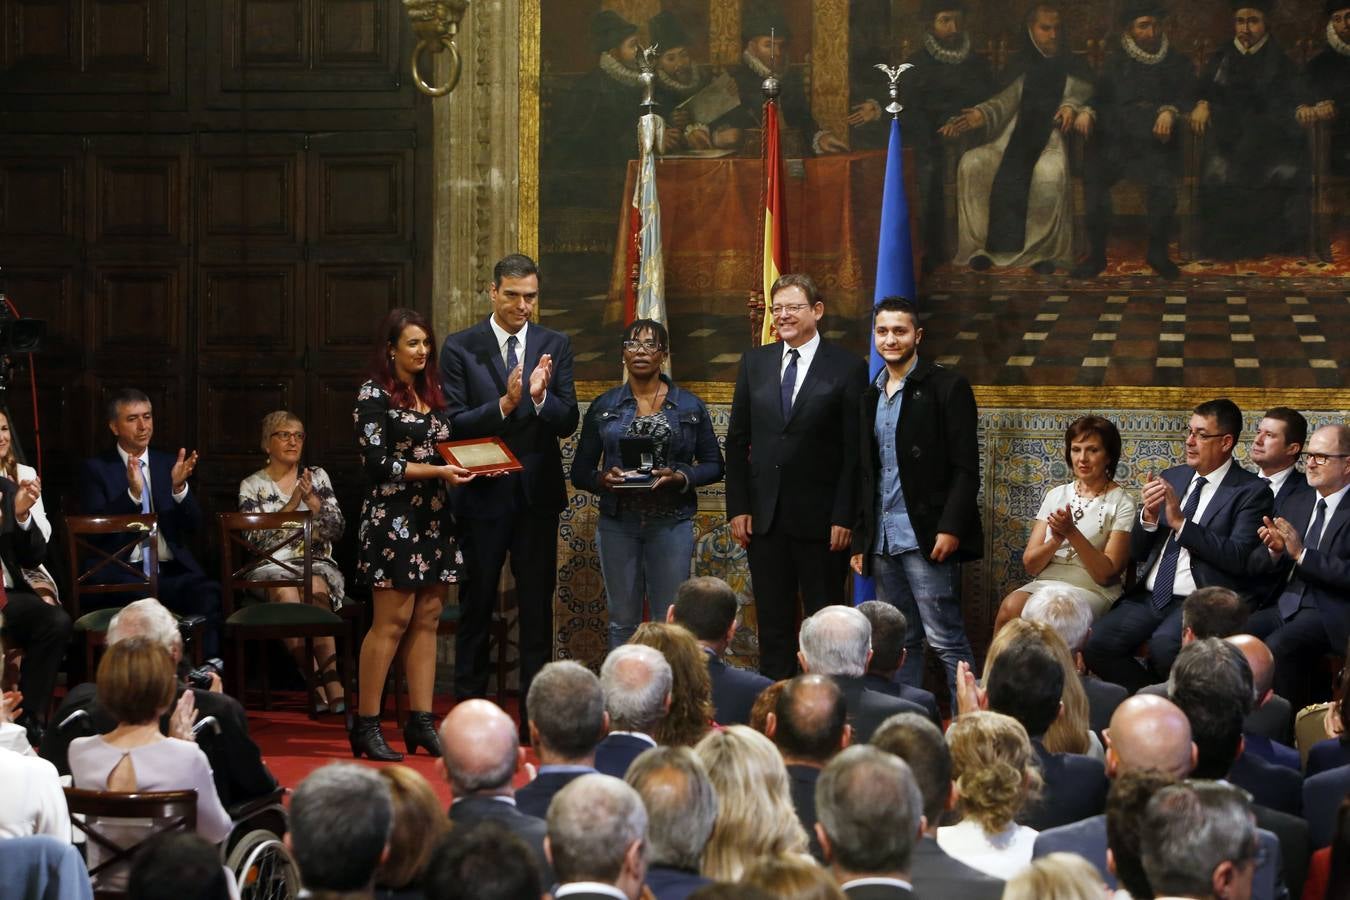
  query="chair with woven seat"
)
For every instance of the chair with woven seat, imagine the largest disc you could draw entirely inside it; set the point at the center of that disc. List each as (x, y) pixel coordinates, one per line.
(92, 563)
(249, 541)
(104, 816)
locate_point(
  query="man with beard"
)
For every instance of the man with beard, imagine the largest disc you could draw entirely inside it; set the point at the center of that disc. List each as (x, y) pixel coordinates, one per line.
(1013, 192)
(601, 126)
(1329, 80)
(1142, 90)
(678, 79)
(1253, 189)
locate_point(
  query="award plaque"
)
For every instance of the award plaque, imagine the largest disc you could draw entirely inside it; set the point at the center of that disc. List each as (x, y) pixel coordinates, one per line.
(481, 456)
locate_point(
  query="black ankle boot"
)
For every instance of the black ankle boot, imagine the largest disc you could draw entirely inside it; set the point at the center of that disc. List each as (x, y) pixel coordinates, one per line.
(366, 739)
(420, 731)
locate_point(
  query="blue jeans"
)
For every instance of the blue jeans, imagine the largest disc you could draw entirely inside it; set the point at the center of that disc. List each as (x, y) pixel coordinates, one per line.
(641, 557)
(925, 592)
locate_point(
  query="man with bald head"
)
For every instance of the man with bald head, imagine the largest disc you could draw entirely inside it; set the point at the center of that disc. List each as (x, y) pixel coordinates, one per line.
(1268, 724)
(481, 753)
(809, 726)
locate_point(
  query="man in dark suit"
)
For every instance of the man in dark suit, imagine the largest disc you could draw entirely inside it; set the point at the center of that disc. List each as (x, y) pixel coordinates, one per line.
(792, 467)
(809, 725)
(132, 478)
(837, 641)
(1275, 450)
(567, 720)
(681, 809)
(918, 476)
(481, 754)
(42, 630)
(597, 834)
(1308, 549)
(888, 655)
(511, 379)
(1197, 526)
(706, 605)
(1269, 724)
(932, 872)
(871, 816)
(636, 681)
(483, 861)
(337, 853)
(1071, 618)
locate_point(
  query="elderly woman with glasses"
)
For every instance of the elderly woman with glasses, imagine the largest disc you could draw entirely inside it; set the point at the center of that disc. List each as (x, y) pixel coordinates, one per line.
(645, 446)
(284, 485)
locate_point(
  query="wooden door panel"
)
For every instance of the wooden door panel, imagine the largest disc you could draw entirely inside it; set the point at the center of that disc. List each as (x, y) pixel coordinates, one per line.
(138, 190)
(350, 300)
(250, 309)
(230, 409)
(138, 311)
(51, 294)
(40, 193)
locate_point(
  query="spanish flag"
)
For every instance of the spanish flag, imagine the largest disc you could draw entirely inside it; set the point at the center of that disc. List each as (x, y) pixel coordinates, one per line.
(775, 230)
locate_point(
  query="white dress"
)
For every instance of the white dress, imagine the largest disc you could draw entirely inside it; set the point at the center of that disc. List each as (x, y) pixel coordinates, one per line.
(1102, 515)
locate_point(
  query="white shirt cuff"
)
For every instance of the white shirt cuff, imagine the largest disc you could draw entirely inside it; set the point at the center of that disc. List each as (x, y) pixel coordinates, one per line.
(179, 495)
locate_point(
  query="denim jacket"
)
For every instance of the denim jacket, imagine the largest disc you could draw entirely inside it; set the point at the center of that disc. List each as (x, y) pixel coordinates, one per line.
(607, 420)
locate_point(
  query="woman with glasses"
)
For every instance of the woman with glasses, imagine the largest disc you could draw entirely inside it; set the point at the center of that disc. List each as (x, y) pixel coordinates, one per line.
(645, 446)
(283, 485)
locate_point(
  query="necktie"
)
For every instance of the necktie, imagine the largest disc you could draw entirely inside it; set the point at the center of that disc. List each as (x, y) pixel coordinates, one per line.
(145, 508)
(511, 359)
(789, 382)
(1167, 565)
(1292, 598)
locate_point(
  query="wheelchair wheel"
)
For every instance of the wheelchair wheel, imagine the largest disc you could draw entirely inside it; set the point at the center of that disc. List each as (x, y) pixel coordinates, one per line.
(263, 867)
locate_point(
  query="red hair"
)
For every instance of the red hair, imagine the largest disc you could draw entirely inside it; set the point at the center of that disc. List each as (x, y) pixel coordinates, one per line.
(427, 383)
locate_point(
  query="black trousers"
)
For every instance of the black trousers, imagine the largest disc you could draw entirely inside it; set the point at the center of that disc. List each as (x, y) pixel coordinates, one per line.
(43, 631)
(1298, 644)
(183, 591)
(781, 567)
(1115, 637)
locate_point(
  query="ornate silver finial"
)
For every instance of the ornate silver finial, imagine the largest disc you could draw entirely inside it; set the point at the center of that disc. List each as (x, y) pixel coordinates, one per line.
(771, 85)
(894, 73)
(646, 60)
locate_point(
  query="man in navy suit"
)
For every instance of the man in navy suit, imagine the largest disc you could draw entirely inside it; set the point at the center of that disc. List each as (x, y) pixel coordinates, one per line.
(1279, 440)
(509, 378)
(871, 816)
(597, 840)
(888, 655)
(808, 725)
(567, 720)
(707, 607)
(132, 478)
(681, 810)
(1196, 528)
(636, 680)
(1308, 549)
(792, 466)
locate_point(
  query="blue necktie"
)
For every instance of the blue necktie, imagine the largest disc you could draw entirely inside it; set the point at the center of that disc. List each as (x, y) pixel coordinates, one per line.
(789, 383)
(1292, 598)
(511, 359)
(1163, 581)
(145, 508)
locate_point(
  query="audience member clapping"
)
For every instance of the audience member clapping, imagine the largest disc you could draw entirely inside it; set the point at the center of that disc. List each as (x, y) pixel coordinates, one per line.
(1071, 618)
(637, 683)
(38, 578)
(792, 878)
(755, 818)
(340, 821)
(1059, 876)
(1070, 732)
(889, 629)
(567, 720)
(1198, 840)
(691, 710)
(31, 801)
(808, 726)
(707, 607)
(418, 825)
(597, 833)
(681, 810)
(482, 863)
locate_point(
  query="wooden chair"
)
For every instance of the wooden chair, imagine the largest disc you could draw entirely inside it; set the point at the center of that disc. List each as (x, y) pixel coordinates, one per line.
(241, 555)
(91, 565)
(98, 815)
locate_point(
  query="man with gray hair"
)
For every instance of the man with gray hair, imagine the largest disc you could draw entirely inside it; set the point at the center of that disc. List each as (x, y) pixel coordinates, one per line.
(597, 840)
(567, 719)
(636, 680)
(837, 641)
(1198, 840)
(889, 628)
(871, 816)
(681, 809)
(338, 852)
(1064, 610)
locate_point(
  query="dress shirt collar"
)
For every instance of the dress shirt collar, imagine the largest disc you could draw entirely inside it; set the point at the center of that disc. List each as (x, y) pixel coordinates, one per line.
(1279, 478)
(805, 353)
(1213, 479)
(143, 457)
(502, 334)
(876, 880)
(566, 769)
(637, 734)
(1333, 502)
(589, 887)
(501, 798)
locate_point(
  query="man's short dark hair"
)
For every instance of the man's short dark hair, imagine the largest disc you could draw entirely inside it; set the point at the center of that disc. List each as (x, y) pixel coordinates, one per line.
(1211, 682)
(335, 850)
(898, 305)
(120, 398)
(1036, 8)
(916, 740)
(802, 282)
(567, 705)
(1295, 425)
(869, 807)
(811, 716)
(888, 635)
(515, 265)
(485, 862)
(176, 865)
(705, 605)
(1189, 830)
(1214, 612)
(1125, 804)
(1026, 681)
(1225, 413)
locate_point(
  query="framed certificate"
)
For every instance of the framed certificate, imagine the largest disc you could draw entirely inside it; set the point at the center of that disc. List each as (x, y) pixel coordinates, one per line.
(482, 456)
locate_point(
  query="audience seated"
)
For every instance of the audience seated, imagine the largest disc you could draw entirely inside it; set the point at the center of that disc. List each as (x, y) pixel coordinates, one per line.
(888, 655)
(765, 704)
(1329, 870)
(42, 866)
(481, 863)
(1071, 618)
(932, 872)
(419, 823)
(236, 761)
(1266, 727)
(38, 577)
(755, 818)
(1125, 806)
(792, 878)
(31, 799)
(175, 865)
(995, 774)
(681, 809)
(1071, 730)
(1332, 752)
(636, 681)
(1059, 876)
(691, 710)
(837, 641)
(1322, 795)
(707, 607)
(871, 818)
(567, 719)
(808, 726)
(481, 752)
(1198, 840)
(336, 849)
(1207, 612)
(597, 832)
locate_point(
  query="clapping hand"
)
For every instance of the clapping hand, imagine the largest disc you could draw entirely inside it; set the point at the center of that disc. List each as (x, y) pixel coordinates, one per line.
(184, 716)
(29, 493)
(11, 706)
(182, 469)
(970, 697)
(1061, 524)
(540, 377)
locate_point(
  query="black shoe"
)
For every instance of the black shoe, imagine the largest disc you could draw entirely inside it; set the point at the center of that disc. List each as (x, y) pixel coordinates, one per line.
(981, 263)
(367, 740)
(421, 732)
(1089, 268)
(1164, 266)
(1044, 267)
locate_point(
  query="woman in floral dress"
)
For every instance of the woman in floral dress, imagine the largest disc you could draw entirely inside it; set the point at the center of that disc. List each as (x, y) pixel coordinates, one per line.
(407, 551)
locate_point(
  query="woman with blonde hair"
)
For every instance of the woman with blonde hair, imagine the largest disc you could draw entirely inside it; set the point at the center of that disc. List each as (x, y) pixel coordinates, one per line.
(755, 816)
(1058, 876)
(419, 824)
(691, 710)
(791, 878)
(1072, 731)
(993, 768)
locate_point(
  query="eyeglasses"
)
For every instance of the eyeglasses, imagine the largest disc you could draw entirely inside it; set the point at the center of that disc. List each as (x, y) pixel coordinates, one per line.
(1203, 435)
(287, 436)
(648, 345)
(1321, 459)
(793, 309)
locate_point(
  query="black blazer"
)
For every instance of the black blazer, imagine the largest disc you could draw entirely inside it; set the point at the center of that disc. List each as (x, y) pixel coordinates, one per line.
(802, 785)
(802, 473)
(1295, 484)
(103, 491)
(1324, 573)
(868, 709)
(1075, 788)
(1103, 698)
(734, 690)
(1274, 719)
(905, 692)
(878, 892)
(472, 811)
(936, 874)
(1266, 589)
(937, 445)
(1292, 832)
(668, 883)
(533, 799)
(616, 753)
(1271, 785)
(20, 548)
(473, 377)
(1223, 538)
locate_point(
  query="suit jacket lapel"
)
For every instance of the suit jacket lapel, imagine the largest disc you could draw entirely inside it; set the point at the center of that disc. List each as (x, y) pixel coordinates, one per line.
(490, 354)
(1333, 527)
(1223, 495)
(771, 381)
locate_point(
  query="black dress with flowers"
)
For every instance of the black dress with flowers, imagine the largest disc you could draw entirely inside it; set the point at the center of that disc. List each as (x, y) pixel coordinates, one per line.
(406, 535)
